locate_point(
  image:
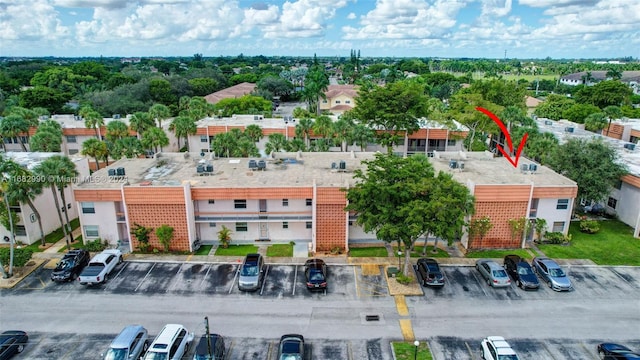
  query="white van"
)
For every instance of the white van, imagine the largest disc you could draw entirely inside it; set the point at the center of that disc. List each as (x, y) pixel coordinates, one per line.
(170, 344)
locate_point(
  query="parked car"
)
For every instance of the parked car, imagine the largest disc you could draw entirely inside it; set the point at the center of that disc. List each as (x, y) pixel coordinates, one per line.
(130, 344)
(430, 272)
(493, 273)
(251, 273)
(215, 342)
(315, 270)
(12, 342)
(100, 267)
(291, 347)
(497, 348)
(171, 343)
(70, 266)
(521, 272)
(551, 273)
(611, 351)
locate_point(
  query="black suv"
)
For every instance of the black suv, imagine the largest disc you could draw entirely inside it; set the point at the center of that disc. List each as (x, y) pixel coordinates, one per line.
(315, 270)
(430, 273)
(71, 265)
(521, 272)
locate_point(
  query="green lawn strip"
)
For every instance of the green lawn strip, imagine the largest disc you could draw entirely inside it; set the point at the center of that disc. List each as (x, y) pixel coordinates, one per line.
(407, 351)
(373, 251)
(237, 250)
(204, 250)
(614, 244)
(417, 252)
(498, 254)
(280, 250)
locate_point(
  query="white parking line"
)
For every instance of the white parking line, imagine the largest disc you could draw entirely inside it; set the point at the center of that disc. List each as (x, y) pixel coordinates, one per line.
(115, 277)
(205, 276)
(234, 279)
(173, 283)
(620, 276)
(145, 277)
(480, 282)
(264, 280)
(295, 278)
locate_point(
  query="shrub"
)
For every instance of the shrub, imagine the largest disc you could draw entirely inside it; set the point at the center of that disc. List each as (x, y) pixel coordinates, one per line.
(224, 236)
(589, 226)
(336, 250)
(556, 238)
(165, 235)
(20, 256)
(96, 245)
(403, 279)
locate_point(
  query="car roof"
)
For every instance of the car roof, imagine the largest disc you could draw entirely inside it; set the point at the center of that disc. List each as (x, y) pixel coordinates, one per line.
(166, 334)
(548, 262)
(502, 346)
(315, 263)
(492, 264)
(251, 259)
(123, 339)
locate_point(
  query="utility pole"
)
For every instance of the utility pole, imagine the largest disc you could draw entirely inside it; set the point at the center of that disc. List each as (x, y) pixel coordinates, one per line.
(206, 326)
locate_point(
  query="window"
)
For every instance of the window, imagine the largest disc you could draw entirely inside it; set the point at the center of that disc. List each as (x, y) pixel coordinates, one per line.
(563, 204)
(618, 185)
(285, 224)
(204, 138)
(91, 231)
(285, 202)
(88, 208)
(204, 150)
(72, 139)
(212, 224)
(73, 151)
(309, 202)
(337, 101)
(240, 204)
(211, 201)
(612, 203)
(350, 223)
(309, 225)
(69, 206)
(451, 143)
(324, 101)
(242, 226)
(21, 230)
(558, 226)
(347, 101)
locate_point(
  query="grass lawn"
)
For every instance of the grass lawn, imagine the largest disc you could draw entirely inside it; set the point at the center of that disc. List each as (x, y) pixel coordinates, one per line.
(204, 250)
(499, 254)
(237, 250)
(78, 244)
(280, 250)
(417, 252)
(54, 236)
(374, 251)
(407, 351)
(614, 244)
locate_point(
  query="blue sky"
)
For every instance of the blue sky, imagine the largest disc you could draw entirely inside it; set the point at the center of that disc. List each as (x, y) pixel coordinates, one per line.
(402, 28)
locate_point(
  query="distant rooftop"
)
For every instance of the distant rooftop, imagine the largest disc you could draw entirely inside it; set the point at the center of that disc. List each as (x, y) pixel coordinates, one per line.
(235, 91)
(29, 160)
(70, 121)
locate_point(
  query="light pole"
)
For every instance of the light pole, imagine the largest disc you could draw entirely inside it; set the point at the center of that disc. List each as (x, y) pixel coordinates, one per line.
(206, 326)
(399, 257)
(415, 353)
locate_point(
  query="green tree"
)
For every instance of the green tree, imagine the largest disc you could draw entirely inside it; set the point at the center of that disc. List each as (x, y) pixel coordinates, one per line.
(595, 122)
(165, 235)
(92, 119)
(395, 108)
(323, 127)
(44, 97)
(14, 126)
(578, 113)
(116, 129)
(224, 236)
(463, 108)
(225, 144)
(159, 112)
(247, 104)
(363, 136)
(161, 92)
(479, 227)
(22, 188)
(95, 149)
(46, 139)
(315, 84)
(395, 198)
(611, 112)
(129, 147)
(140, 122)
(343, 132)
(203, 86)
(253, 132)
(540, 146)
(154, 138)
(554, 106)
(58, 172)
(182, 127)
(593, 164)
(141, 234)
(277, 142)
(303, 129)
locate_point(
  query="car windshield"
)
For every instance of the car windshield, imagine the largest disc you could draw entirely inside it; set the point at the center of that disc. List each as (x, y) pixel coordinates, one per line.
(556, 272)
(116, 354)
(152, 355)
(524, 271)
(65, 264)
(499, 273)
(290, 357)
(249, 270)
(507, 357)
(316, 275)
(433, 267)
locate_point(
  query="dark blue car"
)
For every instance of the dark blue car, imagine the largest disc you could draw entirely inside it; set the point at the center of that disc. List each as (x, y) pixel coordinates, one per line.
(521, 273)
(12, 342)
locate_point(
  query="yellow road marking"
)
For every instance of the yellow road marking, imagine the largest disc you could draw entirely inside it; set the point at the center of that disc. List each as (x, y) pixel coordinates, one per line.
(355, 278)
(51, 264)
(370, 269)
(189, 257)
(407, 329)
(401, 305)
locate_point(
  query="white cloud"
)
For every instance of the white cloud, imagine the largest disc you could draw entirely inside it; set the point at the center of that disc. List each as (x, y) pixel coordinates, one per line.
(304, 18)
(34, 20)
(351, 16)
(497, 8)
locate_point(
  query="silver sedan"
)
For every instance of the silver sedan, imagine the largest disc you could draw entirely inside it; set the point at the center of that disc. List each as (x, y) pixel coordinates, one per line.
(493, 273)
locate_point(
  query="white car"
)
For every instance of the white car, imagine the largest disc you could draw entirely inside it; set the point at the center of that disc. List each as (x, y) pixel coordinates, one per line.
(496, 348)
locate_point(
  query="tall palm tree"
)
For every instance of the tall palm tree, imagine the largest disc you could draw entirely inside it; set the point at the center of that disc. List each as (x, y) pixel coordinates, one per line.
(159, 112)
(303, 129)
(363, 135)
(94, 148)
(183, 126)
(93, 120)
(26, 192)
(140, 122)
(612, 112)
(13, 126)
(254, 132)
(154, 138)
(225, 144)
(29, 115)
(58, 172)
(276, 143)
(323, 126)
(129, 147)
(614, 74)
(117, 130)
(343, 130)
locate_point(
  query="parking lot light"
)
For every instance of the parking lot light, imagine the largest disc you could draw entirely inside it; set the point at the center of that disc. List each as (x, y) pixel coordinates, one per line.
(415, 353)
(399, 258)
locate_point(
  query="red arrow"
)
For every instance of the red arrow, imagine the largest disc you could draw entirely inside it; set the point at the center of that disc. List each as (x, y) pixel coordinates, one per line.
(504, 130)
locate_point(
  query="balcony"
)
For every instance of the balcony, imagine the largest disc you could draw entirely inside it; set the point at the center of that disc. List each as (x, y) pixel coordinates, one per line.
(253, 216)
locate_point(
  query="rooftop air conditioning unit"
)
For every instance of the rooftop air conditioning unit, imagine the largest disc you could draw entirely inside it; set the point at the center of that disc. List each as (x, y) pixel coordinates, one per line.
(343, 165)
(533, 167)
(568, 129)
(120, 171)
(548, 122)
(453, 164)
(630, 146)
(524, 168)
(111, 172)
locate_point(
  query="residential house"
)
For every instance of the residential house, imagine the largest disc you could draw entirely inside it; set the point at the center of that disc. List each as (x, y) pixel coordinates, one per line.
(339, 98)
(589, 78)
(233, 92)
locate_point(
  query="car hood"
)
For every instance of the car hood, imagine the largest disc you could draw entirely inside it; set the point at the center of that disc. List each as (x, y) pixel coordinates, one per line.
(561, 281)
(529, 278)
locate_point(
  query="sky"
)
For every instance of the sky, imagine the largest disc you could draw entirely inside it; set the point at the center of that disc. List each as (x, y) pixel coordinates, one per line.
(378, 28)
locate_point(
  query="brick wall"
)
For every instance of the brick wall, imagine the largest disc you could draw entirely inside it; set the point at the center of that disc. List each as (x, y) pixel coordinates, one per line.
(499, 237)
(330, 227)
(155, 215)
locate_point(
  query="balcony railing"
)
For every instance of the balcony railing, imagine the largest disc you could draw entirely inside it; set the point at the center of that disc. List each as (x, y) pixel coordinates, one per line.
(288, 216)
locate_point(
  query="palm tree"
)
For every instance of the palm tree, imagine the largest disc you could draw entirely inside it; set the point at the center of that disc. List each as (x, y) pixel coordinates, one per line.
(254, 132)
(612, 112)
(303, 129)
(26, 192)
(154, 138)
(183, 126)
(14, 126)
(94, 148)
(323, 126)
(343, 130)
(129, 147)
(363, 136)
(117, 130)
(247, 148)
(93, 120)
(225, 144)
(159, 112)
(58, 172)
(140, 122)
(276, 143)
(614, 74)
(30, 116)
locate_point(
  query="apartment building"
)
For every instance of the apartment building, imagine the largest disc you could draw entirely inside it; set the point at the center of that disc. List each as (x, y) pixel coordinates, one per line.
(27, 230)
(294, 197)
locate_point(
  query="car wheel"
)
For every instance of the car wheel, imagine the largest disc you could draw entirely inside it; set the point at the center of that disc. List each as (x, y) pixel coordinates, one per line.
(601, 354)
(120, 260)
(519, 283)
(20, 348)
(549, 283)
(488, 282)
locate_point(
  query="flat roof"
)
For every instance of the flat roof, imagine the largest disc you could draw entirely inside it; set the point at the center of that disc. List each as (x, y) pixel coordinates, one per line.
(303, 170)
(70, 121)
(30, 160)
